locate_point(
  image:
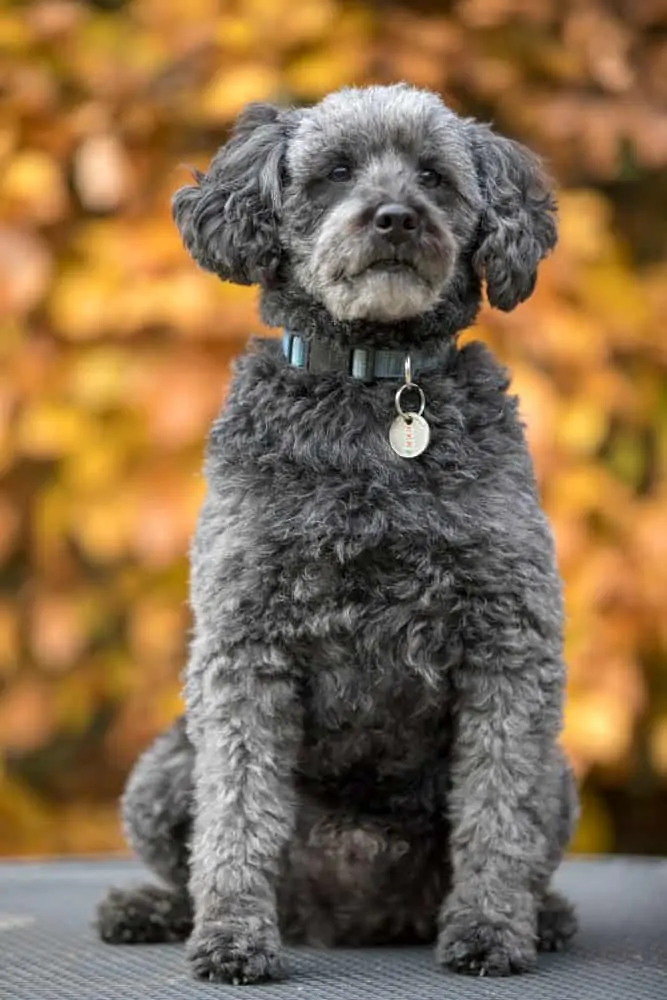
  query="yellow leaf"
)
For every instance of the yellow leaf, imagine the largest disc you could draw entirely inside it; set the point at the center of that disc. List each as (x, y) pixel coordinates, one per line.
(168, 705)
(599, 727)
(234, 33)
(612, 291)
(49, 429)
(157, 630)
(312, 75)
(97, 377)
(14, 33)
(231, 89)
(584, 220)
(84, 303)
(581, 427)
(307, 21)
(103, 525)
(33, 186)
(98, 466)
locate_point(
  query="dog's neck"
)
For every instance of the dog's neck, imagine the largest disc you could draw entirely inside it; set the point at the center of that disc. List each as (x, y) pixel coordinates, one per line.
(293, 309)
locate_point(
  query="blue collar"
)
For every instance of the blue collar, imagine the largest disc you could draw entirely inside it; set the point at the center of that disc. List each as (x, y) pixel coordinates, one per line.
(364, 363)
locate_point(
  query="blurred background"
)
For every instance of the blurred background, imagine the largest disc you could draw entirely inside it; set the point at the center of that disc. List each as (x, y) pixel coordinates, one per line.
(114, 354)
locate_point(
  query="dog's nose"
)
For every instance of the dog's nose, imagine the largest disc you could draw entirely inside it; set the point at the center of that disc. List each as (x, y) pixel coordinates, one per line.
(395, 222)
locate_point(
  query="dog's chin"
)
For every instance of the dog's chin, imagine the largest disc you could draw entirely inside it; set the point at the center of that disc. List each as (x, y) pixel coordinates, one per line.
(384, 292)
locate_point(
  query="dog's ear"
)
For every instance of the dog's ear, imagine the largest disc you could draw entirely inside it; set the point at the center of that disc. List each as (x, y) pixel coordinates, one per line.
(228, 220)
(518, 226)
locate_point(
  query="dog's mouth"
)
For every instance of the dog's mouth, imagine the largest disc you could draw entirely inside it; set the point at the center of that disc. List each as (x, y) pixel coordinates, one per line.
(392, 264)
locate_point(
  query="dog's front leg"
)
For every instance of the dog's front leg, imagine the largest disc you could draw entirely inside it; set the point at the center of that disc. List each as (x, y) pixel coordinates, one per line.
(509, 706)
(243, 721)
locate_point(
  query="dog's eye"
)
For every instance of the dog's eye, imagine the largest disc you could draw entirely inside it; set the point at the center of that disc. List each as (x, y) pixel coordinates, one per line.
(429, 178)
(341, 172)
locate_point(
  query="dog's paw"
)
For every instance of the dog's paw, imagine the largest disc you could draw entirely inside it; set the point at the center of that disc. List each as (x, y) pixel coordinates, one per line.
(242, 950)
(556, 923)
(145, 914)
(471, 944)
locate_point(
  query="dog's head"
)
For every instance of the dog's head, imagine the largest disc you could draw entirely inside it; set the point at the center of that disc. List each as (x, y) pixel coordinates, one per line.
(370, 202)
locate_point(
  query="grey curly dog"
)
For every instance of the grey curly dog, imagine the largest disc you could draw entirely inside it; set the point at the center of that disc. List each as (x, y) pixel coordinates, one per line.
(374, 691)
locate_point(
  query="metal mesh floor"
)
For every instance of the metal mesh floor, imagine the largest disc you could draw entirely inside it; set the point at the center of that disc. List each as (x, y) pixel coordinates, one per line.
(48, 950)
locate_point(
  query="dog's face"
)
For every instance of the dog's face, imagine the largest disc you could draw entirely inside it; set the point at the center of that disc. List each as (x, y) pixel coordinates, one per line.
(369, 202)
(381, 195)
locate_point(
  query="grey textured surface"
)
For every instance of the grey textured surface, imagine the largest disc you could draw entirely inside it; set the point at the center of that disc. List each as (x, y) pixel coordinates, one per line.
(48, 950)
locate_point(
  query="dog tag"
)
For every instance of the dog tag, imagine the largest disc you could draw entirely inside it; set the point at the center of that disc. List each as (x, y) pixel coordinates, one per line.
(409, 435)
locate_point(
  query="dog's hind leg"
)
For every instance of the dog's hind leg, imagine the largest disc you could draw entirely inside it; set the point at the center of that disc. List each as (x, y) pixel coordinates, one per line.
(144, 914)
(556, 919)
(156, 812)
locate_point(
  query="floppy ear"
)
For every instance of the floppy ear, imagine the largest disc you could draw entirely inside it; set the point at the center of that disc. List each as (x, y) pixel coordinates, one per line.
(518, 225)
(228, 220)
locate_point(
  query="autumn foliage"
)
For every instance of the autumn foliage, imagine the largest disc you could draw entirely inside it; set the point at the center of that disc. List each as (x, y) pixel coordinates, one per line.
(114, 355)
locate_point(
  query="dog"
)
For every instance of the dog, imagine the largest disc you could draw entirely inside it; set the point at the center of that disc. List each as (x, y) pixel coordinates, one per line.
(374, 691)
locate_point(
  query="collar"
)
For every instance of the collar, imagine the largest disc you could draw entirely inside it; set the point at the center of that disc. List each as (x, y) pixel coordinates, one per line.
(364, 363)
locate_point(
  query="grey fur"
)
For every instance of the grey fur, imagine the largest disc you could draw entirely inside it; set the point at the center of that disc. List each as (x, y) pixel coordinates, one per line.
(375, 681)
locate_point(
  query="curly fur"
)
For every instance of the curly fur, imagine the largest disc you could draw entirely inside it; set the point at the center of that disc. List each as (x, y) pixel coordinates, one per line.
(375, 680)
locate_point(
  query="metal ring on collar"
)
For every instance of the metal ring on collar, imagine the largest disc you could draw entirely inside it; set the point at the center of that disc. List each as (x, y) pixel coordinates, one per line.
(397, 400)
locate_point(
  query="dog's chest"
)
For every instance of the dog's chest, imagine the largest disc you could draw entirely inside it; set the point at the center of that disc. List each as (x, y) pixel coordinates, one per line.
(375, 636)
(375, 691)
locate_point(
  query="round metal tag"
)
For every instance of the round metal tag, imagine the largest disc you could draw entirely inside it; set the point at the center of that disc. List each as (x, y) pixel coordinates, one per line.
(409, 435)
